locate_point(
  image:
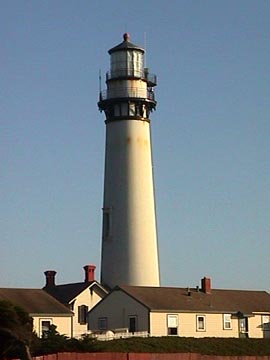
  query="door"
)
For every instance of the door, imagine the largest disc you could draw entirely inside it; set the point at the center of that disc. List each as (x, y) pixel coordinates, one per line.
(132, 327)
(243, 327)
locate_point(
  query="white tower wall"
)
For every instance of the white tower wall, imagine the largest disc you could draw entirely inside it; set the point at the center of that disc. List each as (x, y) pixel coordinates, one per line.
(129, 254)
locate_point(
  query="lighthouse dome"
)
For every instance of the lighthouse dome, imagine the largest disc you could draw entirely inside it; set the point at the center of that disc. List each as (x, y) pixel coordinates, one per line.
(125, 45)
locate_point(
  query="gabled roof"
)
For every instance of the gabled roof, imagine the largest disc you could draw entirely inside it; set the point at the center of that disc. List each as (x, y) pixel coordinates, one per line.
(67, 292)
(34, 301)
(178, 299)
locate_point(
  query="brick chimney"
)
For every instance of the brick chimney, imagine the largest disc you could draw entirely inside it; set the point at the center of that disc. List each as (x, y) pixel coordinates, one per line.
(50, 278)
(206, 285)
(89, 273)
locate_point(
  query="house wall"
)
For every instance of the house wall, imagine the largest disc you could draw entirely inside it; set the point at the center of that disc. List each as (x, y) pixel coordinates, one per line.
(187, 325)
(63, 324)
(90, 298)
(213, 326)
(257, 328)
(117, 308)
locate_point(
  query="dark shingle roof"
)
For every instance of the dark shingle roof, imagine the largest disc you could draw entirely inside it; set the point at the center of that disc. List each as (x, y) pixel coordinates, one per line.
(67, 292)
(34, 301)
(177, 299)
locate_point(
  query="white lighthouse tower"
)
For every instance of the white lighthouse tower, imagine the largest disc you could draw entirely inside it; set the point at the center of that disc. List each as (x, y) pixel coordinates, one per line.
(129, 235)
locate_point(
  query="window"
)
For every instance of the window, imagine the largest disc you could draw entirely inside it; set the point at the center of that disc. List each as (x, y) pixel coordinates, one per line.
(266, 322)
(132, 326)
(144, 112)
(127, 63)
(117, 110)
(227, 321)
(132, 110)
(134, 62)
(200, 323)
(119, 64)
(107, 223)
(82, 314)
(172, 323)
(124, 109)
(45, 326)
(102, 323)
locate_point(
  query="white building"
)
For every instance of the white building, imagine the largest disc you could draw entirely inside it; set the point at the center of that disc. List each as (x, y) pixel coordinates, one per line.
(42, 307)
(79, 297)
(168, 311)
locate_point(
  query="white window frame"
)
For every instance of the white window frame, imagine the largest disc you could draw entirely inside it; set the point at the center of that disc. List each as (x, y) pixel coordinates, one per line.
(41, 320)
(266, 322)
(227, 320)
(172, 323)
(198, 323)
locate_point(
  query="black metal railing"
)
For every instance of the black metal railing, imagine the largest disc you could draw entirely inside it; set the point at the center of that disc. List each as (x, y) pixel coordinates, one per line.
(128, 93)
(132, 73)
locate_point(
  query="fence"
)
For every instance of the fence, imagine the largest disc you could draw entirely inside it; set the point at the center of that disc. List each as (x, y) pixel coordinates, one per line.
(113, 336)
(143, 356)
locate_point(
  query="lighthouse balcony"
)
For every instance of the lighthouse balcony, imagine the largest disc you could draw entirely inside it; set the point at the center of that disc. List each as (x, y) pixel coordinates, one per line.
(134, 93)
(126, 73)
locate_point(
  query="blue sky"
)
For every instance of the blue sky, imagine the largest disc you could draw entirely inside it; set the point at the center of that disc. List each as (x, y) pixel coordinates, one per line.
(210, 136)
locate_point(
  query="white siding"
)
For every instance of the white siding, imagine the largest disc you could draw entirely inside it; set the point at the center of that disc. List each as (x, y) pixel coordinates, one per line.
(117, 308)
(213, 325)
(88, 298)
(63, 324)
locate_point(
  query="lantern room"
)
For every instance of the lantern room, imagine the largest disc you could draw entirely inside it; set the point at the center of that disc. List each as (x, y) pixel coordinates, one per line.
(127, 60)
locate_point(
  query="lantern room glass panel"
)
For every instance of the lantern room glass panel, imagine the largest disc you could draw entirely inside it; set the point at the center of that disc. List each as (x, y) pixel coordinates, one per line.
(118, 63)
(127, 63)
(134, 63)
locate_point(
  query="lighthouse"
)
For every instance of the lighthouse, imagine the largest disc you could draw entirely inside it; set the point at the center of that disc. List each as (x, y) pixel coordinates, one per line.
(129, 254)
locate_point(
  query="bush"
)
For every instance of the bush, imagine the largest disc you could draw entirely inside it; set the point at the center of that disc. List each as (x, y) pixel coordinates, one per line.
(205, 346)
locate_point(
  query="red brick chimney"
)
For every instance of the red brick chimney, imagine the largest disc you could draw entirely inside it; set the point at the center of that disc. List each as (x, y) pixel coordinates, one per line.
(206, 285)
(89, 273)
(50, 277)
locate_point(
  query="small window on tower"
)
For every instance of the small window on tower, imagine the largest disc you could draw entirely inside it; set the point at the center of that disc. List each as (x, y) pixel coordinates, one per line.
(132, 110)
(144, 111)
(124, 109)
(107, 223)
(117, 110)
(138, 109)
